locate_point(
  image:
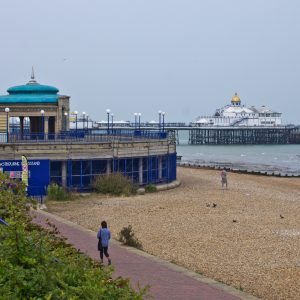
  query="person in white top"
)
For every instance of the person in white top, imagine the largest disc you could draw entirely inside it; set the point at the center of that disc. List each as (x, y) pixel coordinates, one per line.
(224, 178)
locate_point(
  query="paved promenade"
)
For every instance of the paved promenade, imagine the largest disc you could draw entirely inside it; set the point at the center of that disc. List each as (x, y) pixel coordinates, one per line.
(167, 281)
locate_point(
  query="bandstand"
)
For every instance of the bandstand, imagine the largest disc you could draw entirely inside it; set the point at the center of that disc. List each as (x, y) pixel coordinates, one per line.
(35, 109)
(72, 158)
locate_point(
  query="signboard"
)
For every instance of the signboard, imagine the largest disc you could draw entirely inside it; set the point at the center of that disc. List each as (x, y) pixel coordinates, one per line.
(38, 173)
(72, 117)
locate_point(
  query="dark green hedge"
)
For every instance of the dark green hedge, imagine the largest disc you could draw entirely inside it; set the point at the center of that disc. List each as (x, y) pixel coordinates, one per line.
(37, 264)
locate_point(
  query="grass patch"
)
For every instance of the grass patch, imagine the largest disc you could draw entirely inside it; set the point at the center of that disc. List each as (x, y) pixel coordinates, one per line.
(150, 188)
(57, 193)
(114, 184)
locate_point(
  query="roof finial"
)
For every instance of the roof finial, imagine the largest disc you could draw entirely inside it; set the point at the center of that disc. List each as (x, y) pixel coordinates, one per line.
(32, 78)
(32, 73)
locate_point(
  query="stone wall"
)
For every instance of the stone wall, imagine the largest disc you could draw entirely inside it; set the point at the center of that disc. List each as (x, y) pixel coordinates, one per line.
(59, 151)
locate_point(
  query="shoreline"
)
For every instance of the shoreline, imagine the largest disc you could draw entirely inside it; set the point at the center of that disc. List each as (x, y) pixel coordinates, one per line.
(235, 168)
(249, 240)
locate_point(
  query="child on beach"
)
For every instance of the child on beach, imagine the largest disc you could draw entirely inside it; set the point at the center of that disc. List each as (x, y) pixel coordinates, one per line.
(224, 178)
(103, 236)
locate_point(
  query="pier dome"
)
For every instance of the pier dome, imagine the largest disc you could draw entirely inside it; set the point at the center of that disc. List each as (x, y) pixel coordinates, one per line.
(235, 100)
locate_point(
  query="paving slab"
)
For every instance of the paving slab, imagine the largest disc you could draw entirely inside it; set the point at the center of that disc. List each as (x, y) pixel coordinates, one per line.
(167, 281)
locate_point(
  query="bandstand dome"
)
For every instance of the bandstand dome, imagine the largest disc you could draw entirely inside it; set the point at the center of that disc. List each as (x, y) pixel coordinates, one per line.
(32, 88)
(32, 92)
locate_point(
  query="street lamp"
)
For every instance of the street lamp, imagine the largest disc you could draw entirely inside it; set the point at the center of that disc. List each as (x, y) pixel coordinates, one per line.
(76, 113)
(135, 120)
(163, 121)
(7, 111)
(43, 125)
(112, 123)
(139, 114)
(66, 121)
(83, 119)
(159, 119)
(108, 111)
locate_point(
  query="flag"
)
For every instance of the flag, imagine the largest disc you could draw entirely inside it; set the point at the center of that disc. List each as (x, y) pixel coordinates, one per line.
(24, 170)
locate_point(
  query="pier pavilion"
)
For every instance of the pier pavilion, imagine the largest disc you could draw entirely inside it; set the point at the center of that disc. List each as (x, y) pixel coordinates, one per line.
(72, 158)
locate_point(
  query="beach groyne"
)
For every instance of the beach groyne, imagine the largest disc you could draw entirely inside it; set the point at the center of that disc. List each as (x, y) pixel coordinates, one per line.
(236, 169)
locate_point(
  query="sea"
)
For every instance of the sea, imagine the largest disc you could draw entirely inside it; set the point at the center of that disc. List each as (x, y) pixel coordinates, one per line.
(282, 159)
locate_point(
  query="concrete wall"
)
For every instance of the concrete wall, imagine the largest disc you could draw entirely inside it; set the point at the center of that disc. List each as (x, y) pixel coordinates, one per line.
(59, 151)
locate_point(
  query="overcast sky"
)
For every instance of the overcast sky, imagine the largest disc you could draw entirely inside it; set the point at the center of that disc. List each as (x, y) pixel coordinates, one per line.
(185, 57)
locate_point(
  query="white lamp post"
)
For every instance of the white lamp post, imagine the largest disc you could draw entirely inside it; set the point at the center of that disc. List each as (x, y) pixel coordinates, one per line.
(112, 123)
(163, 121)
(76, 113)
(135, 120)
(159, 119)
(83, 119)
(139, 114)
(108, 111)
(43, 120)
(7, 111)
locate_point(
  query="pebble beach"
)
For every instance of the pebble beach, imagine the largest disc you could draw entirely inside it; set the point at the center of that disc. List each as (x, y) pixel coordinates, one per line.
(247, 236)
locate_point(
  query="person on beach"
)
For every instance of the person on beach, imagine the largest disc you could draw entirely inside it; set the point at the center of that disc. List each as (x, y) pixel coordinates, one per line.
(103, 236)
(224, 178)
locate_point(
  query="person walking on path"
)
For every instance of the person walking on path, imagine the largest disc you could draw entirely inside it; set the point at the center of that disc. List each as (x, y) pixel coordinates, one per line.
(224, 178)
(103, 236)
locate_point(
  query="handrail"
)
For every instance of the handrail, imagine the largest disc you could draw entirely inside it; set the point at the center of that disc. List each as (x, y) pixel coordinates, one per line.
(83, 136)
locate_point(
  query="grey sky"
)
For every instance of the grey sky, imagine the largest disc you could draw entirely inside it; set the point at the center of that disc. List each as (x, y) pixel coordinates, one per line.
(184, 57)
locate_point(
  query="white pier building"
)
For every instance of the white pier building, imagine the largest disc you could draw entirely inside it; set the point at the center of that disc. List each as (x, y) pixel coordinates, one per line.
(236, 114)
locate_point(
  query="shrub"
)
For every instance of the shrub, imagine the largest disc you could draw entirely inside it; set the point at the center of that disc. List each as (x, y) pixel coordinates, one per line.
(126, 236)
(150, 188)
(37, 264)
(115, 184)
(56, 192)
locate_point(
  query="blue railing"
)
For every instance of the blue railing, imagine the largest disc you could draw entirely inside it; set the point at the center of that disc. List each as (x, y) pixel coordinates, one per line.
(86, 136)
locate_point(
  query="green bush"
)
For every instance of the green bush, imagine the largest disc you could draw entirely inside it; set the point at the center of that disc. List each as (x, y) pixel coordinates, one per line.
(127, 237)
(150, 188)
(37, 264)
(115, 184)
(56, 192)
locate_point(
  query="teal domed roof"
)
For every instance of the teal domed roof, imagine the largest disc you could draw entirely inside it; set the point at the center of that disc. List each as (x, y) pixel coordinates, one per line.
(32, 88)
(32, 92)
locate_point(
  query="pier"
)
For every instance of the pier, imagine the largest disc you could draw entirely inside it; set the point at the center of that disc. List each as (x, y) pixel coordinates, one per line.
(221, 135)
(240, 135)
